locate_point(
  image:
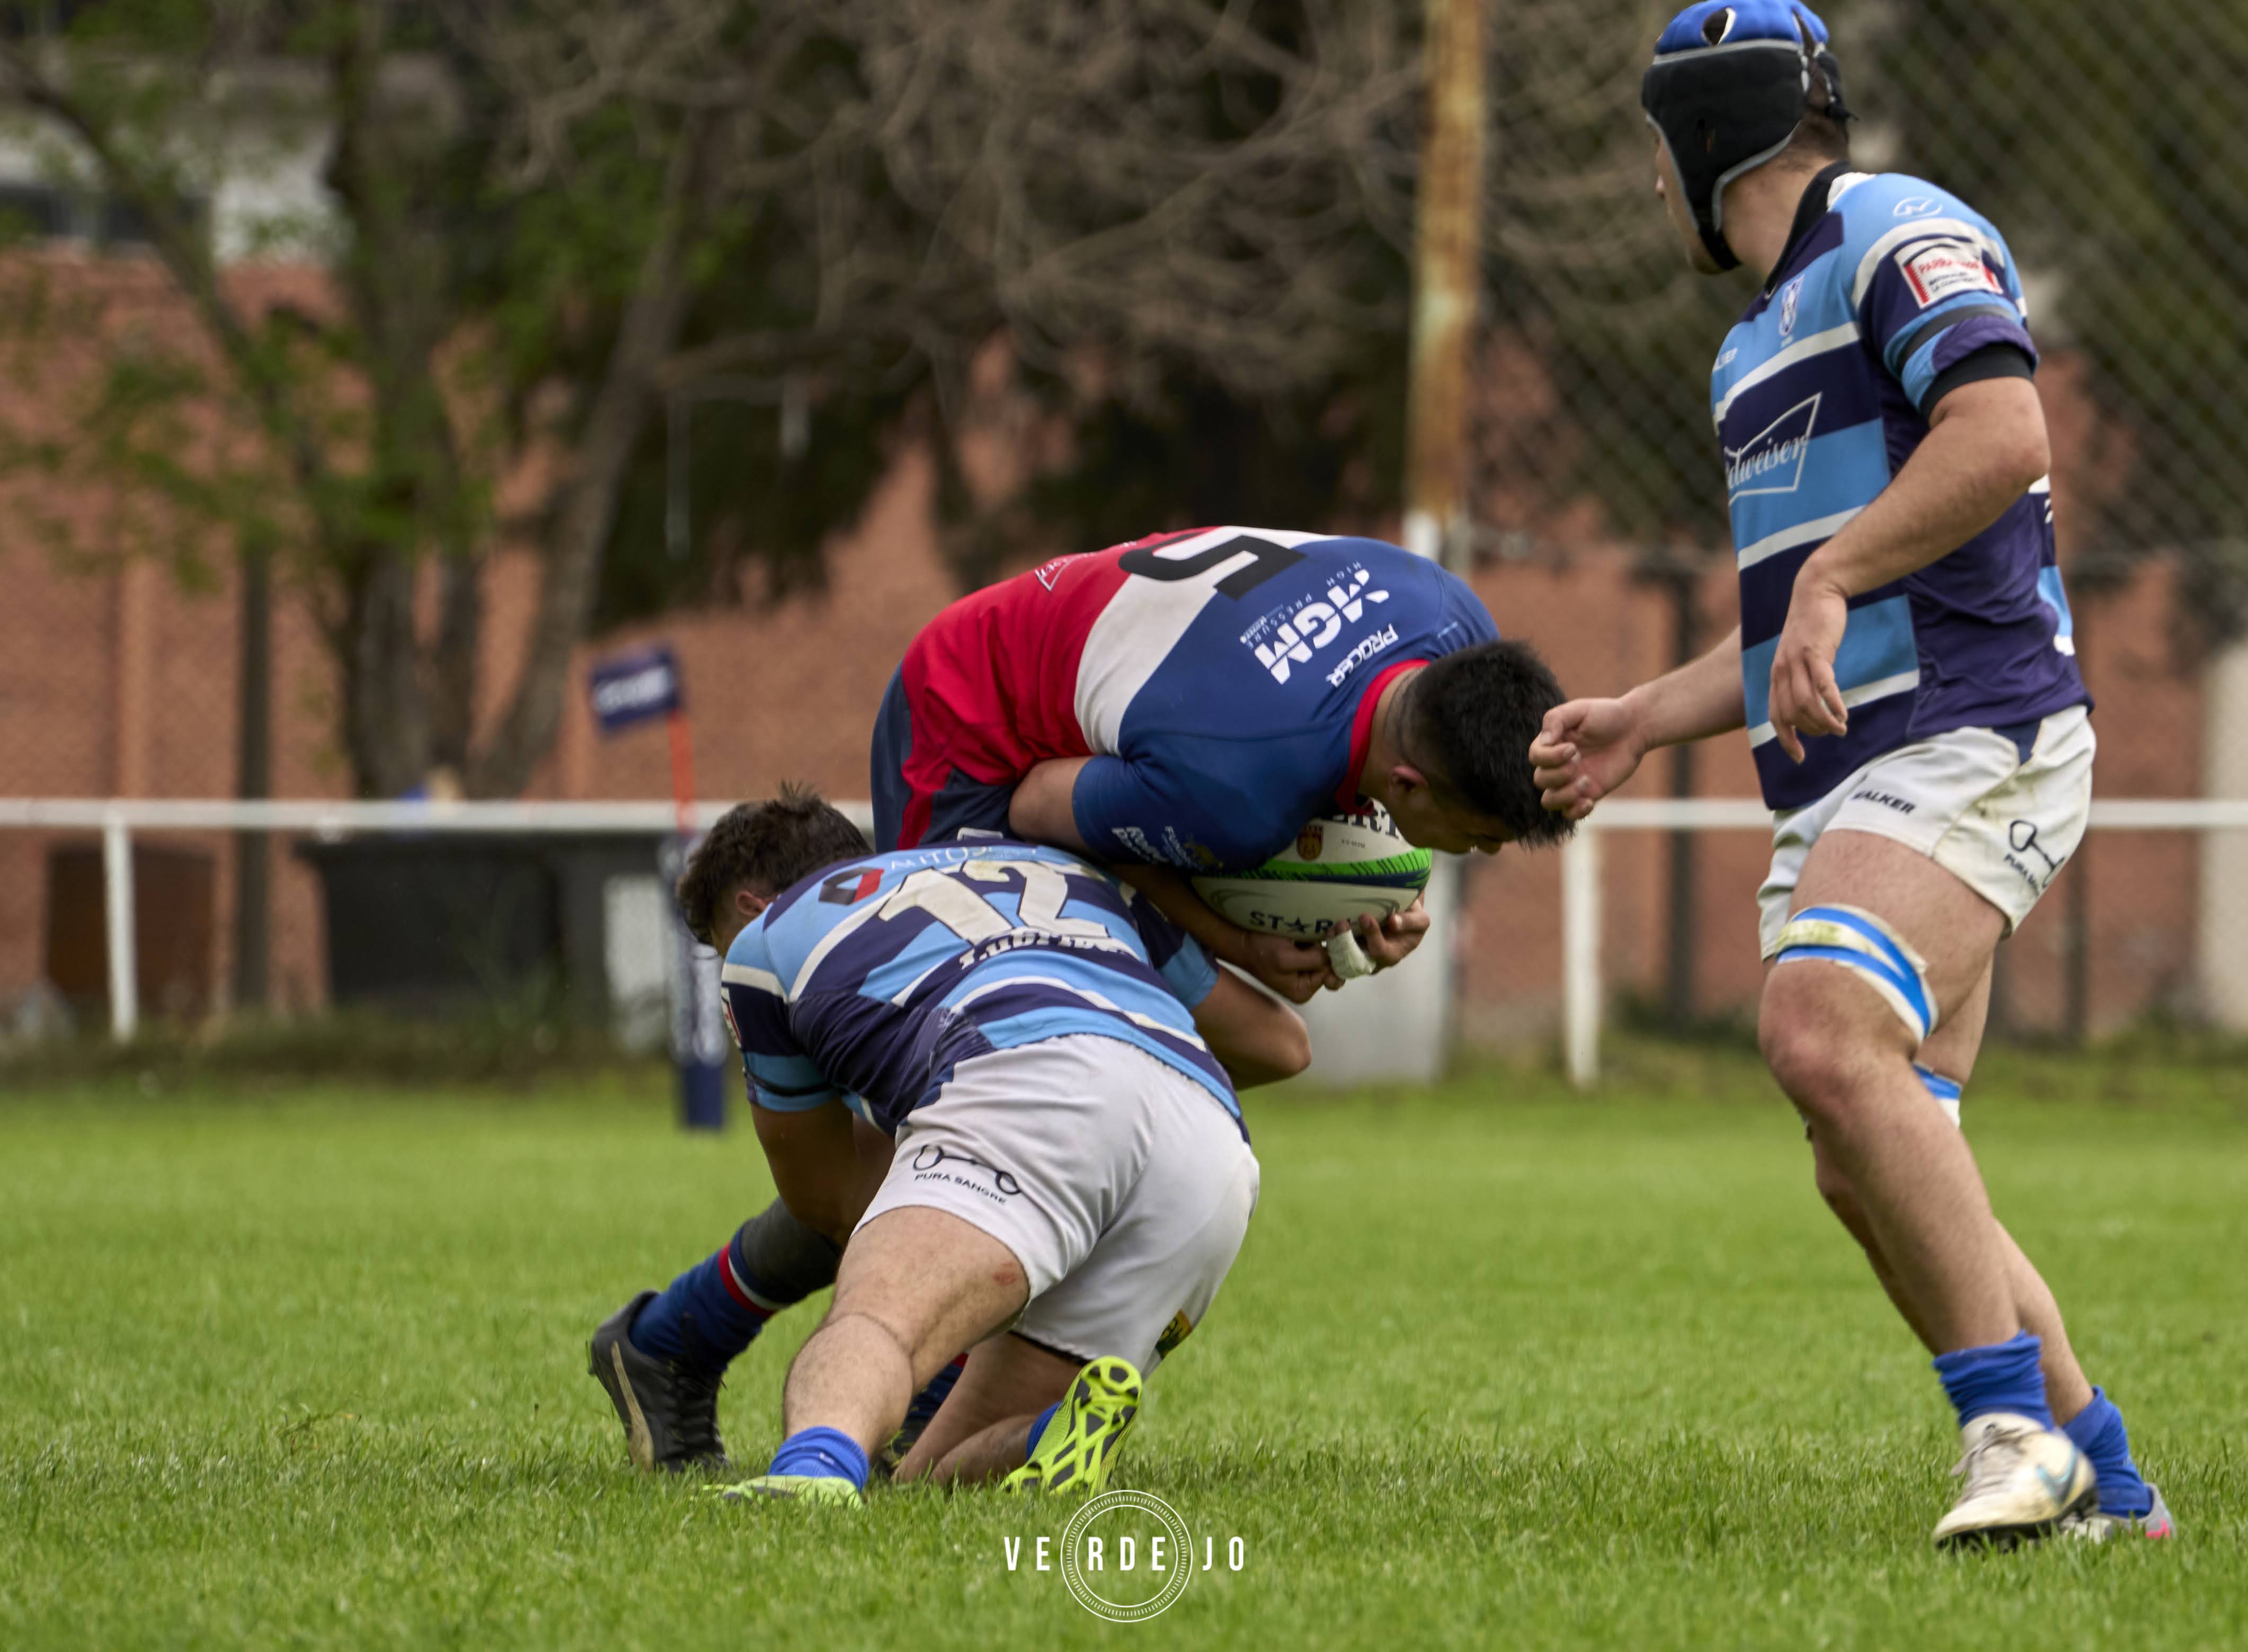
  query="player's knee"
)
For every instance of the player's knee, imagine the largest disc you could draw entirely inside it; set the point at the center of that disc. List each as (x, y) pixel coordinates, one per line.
(1820, 1056)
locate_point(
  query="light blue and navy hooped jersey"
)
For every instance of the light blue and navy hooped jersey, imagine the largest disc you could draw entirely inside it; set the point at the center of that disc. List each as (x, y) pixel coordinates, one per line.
(875, 978)
(1887, 289)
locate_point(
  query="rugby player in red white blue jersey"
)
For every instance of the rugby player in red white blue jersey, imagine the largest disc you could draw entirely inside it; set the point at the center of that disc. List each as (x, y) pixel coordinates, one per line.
(1185, 703)
(1905, 670)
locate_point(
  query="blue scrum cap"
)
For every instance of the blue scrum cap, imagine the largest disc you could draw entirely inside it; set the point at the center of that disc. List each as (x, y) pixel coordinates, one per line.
(1730, 84)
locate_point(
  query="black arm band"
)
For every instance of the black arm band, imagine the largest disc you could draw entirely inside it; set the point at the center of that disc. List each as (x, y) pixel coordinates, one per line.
(1992, 361)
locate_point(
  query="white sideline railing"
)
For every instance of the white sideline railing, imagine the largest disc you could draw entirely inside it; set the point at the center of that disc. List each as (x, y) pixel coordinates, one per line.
(1582, 997)
(118, 818)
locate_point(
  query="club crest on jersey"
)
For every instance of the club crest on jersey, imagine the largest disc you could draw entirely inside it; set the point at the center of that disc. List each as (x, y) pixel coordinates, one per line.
(1939, 269)
(1772, 460)
(1289, 637)
(848, 889)
(1790, 296)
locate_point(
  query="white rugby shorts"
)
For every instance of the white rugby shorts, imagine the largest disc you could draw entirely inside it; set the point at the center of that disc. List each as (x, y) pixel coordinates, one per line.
(1121, 1184)
(2003, 822)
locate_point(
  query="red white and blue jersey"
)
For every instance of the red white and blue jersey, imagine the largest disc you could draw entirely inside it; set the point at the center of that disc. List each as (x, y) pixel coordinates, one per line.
(873, 979)
(1223, 681)
(1890, 292)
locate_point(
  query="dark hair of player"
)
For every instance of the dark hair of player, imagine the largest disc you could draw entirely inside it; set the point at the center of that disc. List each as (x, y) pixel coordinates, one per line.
(766, 848)
(1471, 719)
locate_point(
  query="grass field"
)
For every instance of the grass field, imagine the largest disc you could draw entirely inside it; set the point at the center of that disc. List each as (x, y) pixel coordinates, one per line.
(1497, 1368)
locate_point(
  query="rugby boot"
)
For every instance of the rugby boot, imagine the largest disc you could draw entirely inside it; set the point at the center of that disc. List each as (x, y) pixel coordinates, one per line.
(1075, 1452)
(2023, 1481)
(797, 1488)
(669, 1408)
(2096, 1527)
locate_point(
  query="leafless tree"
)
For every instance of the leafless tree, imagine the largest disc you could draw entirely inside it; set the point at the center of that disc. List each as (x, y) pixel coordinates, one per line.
(1119, 186)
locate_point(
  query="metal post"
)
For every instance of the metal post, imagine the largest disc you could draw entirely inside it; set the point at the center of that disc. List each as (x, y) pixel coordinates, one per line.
(1678, 972)
(1580, 955)
(117, 903)
(1447, 278)
(254, 779)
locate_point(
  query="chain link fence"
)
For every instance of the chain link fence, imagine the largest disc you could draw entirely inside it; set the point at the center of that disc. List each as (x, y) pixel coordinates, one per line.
(2105, 145)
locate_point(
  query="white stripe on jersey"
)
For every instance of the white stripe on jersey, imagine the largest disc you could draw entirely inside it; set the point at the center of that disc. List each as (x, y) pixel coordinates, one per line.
(1903, 682)
(750, 975)
(1788, 538)
(1140, 625)
(1099, 1000)
(1922, 229)
(1802, 349)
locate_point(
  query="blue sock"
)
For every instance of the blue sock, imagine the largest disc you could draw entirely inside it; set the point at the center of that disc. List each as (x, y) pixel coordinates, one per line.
(2098, 1431)
(1030, 1448)
(726, 1313)
(926, 1403)
(824, 1454)
(2003, 1377)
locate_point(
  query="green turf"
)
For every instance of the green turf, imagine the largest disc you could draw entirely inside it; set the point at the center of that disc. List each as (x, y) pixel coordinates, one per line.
(1496, 1368)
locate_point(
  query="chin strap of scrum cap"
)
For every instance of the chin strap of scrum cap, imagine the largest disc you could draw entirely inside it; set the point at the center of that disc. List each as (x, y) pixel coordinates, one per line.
(1728, 85)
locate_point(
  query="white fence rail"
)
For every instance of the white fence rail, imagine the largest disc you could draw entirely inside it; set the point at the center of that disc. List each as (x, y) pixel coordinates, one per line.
(1583, 993)
(117, 819)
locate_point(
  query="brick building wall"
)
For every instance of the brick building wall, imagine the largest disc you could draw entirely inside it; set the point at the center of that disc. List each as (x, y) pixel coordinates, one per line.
(122, 681)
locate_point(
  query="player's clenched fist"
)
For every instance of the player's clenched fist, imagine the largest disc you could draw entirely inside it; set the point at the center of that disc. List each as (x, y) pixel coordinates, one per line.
(1585, 749)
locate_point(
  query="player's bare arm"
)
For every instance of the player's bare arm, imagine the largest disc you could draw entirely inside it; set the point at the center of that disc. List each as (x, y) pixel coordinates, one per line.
(1589, 748)
(1986, 443)
(825, 1165)
(1041, 811)
(1256, 1040)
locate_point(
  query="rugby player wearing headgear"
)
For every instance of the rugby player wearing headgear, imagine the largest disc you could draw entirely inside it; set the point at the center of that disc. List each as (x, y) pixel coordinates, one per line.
(1905, 670)
(1056, 1063)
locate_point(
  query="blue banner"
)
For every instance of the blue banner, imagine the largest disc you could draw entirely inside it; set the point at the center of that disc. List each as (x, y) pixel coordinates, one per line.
(630, 688)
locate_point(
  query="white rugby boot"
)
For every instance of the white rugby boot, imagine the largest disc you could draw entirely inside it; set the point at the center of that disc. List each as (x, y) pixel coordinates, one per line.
(2095, 1528)
(2023, 1481)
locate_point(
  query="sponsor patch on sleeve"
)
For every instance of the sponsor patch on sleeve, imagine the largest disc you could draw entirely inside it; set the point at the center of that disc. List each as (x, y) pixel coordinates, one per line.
(1938, 270)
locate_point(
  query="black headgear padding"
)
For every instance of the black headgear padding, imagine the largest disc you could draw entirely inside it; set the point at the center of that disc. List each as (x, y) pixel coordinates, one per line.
(1728, 88)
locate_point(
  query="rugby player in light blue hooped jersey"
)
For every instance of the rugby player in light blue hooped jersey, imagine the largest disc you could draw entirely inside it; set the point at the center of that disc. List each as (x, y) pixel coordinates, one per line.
(1905, 671)
(1056, 1063)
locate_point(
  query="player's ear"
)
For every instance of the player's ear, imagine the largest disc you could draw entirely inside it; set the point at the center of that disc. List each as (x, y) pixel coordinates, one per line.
(749, 903)
(1405, 780)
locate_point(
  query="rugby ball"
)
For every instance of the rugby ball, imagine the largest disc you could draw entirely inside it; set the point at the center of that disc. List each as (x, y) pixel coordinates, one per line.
(1342, 867)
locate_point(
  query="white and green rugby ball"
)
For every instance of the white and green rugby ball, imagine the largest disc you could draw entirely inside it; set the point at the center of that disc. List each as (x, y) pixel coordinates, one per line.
(1341, 868)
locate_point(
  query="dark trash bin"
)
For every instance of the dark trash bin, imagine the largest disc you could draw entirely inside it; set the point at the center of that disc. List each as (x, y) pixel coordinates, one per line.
(451, 923)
